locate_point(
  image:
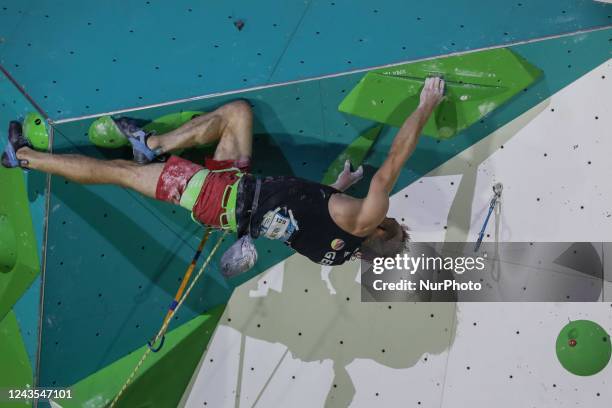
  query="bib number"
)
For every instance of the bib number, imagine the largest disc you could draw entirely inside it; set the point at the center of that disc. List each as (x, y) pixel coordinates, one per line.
(278, 224)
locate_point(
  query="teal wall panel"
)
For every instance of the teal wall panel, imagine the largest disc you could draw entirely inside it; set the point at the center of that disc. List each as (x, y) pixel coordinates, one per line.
(27, 312)
(80, 57)
(392, 31)
(105, 295)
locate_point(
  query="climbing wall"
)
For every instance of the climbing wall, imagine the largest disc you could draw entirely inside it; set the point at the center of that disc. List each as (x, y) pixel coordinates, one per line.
(154, 52)
(552, 160)
(113, 259)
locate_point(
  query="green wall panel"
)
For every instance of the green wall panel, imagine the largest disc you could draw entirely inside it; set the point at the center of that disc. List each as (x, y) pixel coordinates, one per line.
(19, 264)
(16, 372)
(163, 377)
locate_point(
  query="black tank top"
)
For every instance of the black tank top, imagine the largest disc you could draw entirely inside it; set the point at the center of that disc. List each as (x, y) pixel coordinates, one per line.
(300, 206)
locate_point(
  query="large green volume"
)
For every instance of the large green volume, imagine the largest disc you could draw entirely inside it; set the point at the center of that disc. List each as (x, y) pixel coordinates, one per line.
(19, 264)
(476, 84)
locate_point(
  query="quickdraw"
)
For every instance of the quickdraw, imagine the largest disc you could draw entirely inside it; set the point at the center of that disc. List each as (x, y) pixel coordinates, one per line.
(497, 192)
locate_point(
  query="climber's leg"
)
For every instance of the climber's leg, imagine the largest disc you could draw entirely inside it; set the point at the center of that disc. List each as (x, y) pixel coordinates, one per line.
(87, 170)
(231, 125)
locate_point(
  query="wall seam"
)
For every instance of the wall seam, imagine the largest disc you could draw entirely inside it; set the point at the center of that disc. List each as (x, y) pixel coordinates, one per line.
(43, 268)
(297, 26)
(22, 91)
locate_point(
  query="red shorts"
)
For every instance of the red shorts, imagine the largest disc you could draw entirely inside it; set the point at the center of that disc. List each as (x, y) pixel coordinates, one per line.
(208, 207)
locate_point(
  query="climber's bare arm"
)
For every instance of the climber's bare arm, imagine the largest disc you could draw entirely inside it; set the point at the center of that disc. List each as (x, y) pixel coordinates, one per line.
(406, 139)
(368, 213)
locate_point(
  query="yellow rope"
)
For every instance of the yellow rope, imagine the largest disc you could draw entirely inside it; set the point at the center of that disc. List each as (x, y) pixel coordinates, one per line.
(186, 277)
(167, 322)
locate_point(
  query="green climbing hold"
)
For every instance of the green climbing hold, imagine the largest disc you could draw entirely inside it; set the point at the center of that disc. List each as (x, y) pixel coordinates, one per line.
(583, 347)
(356, 152)
(171, 121)
(104, 133)
(35, 130)
(476, 84)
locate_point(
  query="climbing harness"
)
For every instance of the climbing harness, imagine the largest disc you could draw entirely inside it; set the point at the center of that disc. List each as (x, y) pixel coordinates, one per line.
(497, 192)
(192, 191)
(173, 308)
(227, 220)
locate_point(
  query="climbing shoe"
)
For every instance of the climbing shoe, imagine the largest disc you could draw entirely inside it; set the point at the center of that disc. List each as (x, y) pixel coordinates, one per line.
(16, 140)
(132, 130)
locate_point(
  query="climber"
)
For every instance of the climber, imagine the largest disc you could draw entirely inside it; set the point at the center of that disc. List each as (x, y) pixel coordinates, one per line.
(317, 221)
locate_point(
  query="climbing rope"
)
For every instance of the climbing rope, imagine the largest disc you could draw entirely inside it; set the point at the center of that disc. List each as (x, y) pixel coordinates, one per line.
(180, 291)
(172, 311)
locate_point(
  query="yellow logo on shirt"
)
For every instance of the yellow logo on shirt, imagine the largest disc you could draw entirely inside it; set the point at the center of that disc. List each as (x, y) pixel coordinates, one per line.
(337, 244)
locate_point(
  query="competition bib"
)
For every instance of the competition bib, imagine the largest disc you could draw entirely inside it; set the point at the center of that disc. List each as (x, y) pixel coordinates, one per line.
(278, 224)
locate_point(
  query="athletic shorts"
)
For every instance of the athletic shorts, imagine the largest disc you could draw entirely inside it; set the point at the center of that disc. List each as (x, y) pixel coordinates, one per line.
(208, 207)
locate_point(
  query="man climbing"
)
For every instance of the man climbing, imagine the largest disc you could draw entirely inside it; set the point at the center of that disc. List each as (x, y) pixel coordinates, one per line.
(317, 221)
